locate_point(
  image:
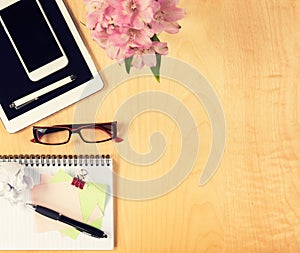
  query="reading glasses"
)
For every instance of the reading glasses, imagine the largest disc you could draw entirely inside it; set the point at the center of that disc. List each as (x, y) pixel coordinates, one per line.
(89, 133)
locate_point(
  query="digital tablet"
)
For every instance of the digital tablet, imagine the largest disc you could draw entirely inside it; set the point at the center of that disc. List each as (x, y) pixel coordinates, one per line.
(45, 65)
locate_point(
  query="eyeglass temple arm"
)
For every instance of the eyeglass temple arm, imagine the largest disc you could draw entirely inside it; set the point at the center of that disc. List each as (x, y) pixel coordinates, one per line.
(109, 131)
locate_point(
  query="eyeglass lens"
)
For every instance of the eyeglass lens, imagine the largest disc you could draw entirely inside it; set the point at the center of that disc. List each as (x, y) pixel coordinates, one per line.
(53, 135)
(94, 134)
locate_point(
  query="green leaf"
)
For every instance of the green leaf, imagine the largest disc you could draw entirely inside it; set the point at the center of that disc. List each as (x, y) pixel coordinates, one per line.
(156, 70)
(128, 62)
(155, 38)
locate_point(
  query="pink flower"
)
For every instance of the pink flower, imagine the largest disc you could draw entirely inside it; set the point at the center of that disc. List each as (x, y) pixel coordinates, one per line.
(148, 56)
(95, 11)
(103, 27)
(166, 17)
(127, 40)
(132, 13)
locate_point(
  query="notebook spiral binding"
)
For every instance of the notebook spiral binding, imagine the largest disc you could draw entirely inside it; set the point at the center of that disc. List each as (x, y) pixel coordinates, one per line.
(58, 160)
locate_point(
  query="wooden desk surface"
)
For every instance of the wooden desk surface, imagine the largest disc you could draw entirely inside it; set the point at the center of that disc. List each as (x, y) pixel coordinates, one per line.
(250, 52)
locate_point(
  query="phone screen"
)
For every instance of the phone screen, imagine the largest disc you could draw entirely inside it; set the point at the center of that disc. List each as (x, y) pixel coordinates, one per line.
(31, 34)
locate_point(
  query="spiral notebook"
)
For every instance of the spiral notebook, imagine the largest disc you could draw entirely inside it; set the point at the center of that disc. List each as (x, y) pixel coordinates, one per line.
(80, 187)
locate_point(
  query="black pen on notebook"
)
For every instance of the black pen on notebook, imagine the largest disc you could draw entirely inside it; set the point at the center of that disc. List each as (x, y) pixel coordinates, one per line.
(80, 226)
(19, 103)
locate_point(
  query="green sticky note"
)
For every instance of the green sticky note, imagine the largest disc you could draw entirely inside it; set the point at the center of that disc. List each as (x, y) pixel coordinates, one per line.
(61, 176)
(91, 196)
(70, 232)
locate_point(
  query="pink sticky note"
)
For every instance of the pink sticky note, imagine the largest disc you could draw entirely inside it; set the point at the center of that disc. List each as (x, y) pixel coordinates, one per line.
(45, 178)
(61, 197)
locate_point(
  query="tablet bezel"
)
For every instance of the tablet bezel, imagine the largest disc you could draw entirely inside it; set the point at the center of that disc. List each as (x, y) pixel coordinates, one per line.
(61, 101)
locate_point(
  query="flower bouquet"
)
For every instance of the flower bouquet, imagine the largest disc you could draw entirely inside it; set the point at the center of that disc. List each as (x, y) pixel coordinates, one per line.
(128, 30)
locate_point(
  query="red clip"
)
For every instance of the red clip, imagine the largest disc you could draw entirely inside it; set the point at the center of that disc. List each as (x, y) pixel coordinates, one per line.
(77, 182)
(81, 185)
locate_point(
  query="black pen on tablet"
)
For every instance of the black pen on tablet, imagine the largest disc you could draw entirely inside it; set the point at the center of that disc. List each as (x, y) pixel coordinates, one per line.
(80, 226)
(19, 103)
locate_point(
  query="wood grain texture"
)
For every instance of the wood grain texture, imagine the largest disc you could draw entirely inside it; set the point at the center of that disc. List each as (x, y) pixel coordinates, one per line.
(250, 52)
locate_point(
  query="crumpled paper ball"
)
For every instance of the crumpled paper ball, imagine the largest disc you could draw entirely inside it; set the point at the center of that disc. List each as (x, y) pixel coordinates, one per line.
(14, 182)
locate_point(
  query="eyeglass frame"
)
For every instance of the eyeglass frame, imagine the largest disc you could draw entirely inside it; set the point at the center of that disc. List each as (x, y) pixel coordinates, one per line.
(75, 128)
